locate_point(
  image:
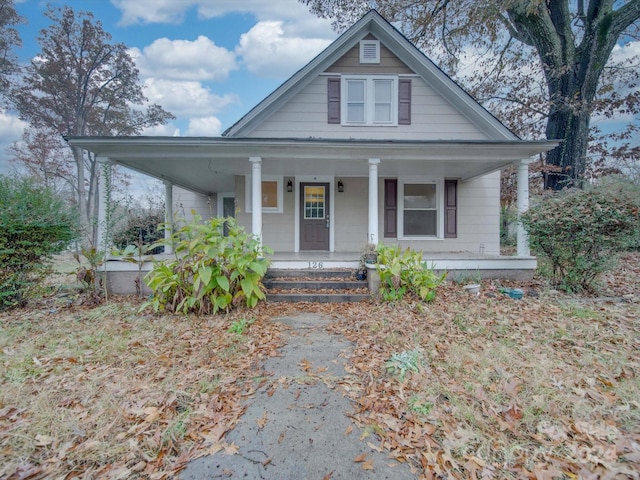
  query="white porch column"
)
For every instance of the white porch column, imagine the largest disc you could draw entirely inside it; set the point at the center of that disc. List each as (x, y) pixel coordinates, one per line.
(523, 205)
(256, 197)
(168, 216)
(104, 198)
(373, 201)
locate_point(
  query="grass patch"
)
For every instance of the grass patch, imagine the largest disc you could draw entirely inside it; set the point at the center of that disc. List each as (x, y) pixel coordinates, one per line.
(107, 390)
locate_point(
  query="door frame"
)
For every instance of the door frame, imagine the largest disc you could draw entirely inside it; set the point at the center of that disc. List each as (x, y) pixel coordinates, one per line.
(332, 202)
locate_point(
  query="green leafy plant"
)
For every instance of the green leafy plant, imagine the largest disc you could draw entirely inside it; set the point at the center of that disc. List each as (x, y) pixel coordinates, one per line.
(34, 224)
(579, 233)
(88, 275)
(211, 271)
(401, 363)
(403, 271)
(240, 326)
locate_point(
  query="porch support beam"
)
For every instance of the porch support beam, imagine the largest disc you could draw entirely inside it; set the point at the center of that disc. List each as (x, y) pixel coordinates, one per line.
(523, 205)
(256, 197)
(372, 236)
(168, 216)
(104, 198)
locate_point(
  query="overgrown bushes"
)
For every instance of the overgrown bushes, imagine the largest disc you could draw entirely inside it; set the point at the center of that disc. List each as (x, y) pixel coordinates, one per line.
(403, 271)
(141, 228)
(211, 272)
(580, 232)
(34, 224)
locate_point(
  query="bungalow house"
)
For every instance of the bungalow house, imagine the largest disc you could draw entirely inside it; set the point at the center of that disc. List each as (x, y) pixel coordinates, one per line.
(369, 142)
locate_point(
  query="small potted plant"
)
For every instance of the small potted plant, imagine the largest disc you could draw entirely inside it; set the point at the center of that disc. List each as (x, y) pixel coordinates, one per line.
(369, 254)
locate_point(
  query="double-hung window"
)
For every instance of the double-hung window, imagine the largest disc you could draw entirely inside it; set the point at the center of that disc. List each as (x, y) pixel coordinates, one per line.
(370, 100)
(420, 206)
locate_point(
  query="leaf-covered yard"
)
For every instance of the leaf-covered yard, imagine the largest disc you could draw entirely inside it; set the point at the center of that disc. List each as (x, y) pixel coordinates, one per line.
(465, 387)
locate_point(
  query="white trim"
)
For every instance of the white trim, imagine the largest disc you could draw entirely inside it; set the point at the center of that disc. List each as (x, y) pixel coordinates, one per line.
(296, 229)
(439, 183)
(265, 178)
(219, 201)
(369, 99)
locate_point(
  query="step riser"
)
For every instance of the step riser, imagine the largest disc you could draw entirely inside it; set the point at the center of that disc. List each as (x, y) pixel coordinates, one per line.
(309, 285)
(311, 281)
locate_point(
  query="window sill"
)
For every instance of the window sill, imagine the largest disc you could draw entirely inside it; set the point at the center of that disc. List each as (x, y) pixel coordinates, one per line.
(421, 238)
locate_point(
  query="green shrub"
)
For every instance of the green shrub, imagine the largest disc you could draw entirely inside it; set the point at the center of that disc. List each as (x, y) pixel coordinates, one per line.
(404, 271)
(142, 228)
(580, 232)
(211, 272)
(34, 224)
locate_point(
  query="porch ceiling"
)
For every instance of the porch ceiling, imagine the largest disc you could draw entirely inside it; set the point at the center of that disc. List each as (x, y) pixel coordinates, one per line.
(209, 164)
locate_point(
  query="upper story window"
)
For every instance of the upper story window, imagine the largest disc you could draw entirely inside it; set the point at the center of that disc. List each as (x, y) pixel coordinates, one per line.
(370, 100)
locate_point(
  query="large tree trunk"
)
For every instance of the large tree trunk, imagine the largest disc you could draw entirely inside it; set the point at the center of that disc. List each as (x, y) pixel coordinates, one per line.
(568, 121)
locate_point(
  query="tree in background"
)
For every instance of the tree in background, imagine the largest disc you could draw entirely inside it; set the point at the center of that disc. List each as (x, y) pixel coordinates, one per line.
(83, 84)
(9, 40)
(542, 66)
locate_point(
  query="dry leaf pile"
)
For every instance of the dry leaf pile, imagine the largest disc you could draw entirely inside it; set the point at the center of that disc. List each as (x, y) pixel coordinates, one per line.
(109, 393)
(537, 388)
(544, 387)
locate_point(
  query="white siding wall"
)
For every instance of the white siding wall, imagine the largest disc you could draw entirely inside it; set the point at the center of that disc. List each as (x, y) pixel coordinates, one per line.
(184, 201)
(433, 118)
(351, 217)
(277, 228)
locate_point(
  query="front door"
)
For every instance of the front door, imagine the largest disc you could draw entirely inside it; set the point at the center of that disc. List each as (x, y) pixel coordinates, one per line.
(314, 216)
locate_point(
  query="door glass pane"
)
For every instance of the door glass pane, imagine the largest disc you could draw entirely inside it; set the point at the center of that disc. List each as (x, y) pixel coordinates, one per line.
(313, 202)
(419, 195)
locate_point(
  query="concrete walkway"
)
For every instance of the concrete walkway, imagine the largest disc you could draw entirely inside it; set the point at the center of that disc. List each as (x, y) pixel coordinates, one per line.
(296, 425)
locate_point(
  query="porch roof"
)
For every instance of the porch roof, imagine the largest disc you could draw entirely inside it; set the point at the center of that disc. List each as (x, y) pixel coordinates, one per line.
(208, 164)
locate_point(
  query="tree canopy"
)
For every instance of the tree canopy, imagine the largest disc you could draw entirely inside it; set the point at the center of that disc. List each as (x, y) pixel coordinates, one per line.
(81, 83)
(9, 40)
(544, 67)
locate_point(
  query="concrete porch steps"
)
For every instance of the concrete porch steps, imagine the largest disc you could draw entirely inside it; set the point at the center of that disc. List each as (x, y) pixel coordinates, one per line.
(308, 285)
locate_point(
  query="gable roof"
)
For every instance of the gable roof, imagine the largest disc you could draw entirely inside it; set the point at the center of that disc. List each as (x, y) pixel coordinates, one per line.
(373, 23)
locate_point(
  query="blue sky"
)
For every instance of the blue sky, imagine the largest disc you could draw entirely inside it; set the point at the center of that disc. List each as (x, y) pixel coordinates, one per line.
(206, 61)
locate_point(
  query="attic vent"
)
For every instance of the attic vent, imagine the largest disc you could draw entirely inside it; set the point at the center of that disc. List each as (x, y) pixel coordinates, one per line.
(369, 51)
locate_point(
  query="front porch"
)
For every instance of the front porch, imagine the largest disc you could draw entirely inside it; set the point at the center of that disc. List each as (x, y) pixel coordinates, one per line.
(121, 276)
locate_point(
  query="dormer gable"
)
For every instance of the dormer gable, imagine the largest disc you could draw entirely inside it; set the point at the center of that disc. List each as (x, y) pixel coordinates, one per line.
(397, 62)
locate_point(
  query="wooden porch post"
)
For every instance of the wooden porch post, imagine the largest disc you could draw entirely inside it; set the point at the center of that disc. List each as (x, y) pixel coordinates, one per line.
(372, 236)
(168, 216)
(256, 197)
(523, 205)
(104, 198)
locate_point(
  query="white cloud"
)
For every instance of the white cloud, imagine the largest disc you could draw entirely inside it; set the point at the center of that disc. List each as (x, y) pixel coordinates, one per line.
(204, 127)
(302, 22)
(627, 52)
(267, 52)
(11, 129)
(186, 99)
(200, 59)
(166, 130)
